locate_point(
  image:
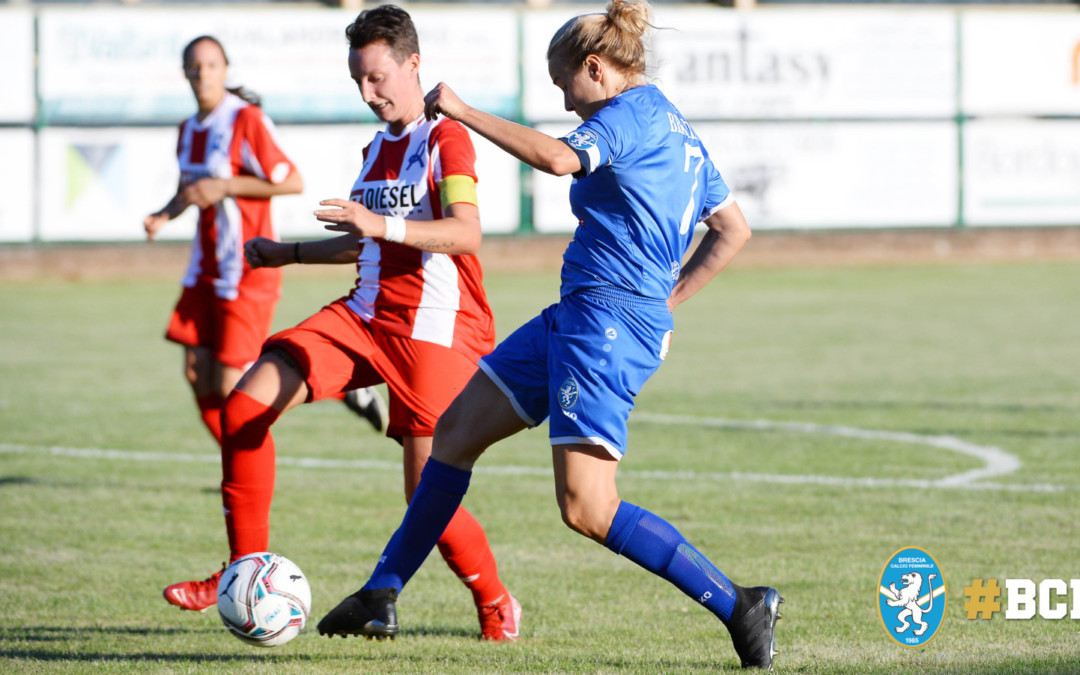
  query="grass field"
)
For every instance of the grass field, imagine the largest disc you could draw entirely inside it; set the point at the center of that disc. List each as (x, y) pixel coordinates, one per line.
(108, 483)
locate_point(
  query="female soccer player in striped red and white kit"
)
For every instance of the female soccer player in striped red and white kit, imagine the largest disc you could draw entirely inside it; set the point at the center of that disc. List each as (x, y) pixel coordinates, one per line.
(417, 319)
(230, 167)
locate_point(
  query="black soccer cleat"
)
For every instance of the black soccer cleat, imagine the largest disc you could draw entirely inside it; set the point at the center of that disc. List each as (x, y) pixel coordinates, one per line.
(752, 631)
(368, 613)
(368, 404)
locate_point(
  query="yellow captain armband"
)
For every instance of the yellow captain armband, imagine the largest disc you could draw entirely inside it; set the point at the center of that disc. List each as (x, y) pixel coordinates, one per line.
(457, 188)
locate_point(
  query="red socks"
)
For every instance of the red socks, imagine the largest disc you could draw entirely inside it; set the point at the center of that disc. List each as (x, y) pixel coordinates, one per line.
(465, 549)
(210, 411)
(247, 462)
(247, 489)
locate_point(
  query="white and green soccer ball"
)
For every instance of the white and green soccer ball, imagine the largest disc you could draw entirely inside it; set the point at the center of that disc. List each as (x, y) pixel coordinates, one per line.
(264, 599)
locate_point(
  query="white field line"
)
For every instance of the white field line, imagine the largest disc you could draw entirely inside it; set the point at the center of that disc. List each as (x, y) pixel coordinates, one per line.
(997, 462)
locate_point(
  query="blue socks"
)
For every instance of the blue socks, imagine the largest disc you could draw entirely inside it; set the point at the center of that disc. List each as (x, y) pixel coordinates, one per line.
(646, 539)
(652, 542)
(433, 505)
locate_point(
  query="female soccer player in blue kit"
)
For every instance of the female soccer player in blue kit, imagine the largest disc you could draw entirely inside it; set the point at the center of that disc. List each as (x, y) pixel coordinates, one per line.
(643, 181)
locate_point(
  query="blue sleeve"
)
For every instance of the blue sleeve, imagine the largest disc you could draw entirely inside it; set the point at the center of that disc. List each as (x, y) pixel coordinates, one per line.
(599, 140)
(718, 195)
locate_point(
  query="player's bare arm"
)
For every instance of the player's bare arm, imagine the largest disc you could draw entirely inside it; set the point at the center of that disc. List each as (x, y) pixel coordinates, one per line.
(263, 252)
(535, 148)
(155, 221)
(456, 234)
(727, 233)
(206, 192)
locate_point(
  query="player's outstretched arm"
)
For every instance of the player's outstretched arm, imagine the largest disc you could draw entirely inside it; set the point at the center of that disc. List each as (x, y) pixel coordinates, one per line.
(727, 233)
(535, 148)
(456, 234)
(263, 252)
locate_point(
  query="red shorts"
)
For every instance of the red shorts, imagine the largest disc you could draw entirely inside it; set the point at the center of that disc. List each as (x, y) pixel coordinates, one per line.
(233, 329)
(337, 351)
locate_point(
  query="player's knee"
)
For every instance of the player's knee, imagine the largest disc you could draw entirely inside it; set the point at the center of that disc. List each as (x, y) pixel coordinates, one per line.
(244, 421)
(453, 443)
(198, 370)
(232, 416)
(580, 516)
(191, 375)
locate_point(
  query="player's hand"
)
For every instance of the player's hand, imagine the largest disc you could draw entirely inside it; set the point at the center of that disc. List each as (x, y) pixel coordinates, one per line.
(206, 192)
(263, 252)
(350, 217)
(443, 101)
(152, 223)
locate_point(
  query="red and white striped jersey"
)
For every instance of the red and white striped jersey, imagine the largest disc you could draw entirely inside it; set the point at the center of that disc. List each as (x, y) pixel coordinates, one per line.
(236, 139)
(433, 297)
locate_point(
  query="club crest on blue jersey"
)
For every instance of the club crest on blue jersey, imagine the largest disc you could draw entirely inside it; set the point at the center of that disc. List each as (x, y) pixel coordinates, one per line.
(912, 597)
(582, 139)
(568, 393)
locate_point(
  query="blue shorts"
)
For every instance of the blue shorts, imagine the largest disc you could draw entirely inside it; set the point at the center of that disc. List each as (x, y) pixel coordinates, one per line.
(584, 359)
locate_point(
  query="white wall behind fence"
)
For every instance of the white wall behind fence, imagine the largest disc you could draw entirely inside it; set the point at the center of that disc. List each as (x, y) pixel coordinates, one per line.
(818, 118)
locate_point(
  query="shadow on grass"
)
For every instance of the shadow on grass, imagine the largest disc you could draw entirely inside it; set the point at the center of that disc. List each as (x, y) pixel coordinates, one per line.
(5, 481)
(431, 631)
(67, 634)
(98, 657)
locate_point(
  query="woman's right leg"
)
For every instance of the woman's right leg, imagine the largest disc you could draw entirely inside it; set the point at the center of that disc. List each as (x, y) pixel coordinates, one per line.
(269, 387)
(272, 386)
(480, 416)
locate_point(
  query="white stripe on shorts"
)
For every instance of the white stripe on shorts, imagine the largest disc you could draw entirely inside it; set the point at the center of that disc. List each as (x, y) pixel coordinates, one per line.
(509, 394)
(590, 440)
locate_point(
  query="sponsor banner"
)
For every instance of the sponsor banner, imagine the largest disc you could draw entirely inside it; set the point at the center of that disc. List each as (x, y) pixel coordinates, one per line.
(720, 64)
(814, 175)
(119, 65)
(1021, 63)
(16, 185)
(99, 184)
(1021, 172)
(17, 75)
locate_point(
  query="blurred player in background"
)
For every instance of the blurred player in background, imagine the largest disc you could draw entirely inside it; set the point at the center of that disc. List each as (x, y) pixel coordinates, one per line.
(643, 181)
(230, 167)
(418, 318)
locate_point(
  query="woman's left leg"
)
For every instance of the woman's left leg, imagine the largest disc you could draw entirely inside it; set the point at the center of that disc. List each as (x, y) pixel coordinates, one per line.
(588, 499)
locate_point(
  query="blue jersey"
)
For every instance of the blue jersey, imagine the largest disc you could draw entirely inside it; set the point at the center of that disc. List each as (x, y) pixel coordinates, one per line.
(645, 182)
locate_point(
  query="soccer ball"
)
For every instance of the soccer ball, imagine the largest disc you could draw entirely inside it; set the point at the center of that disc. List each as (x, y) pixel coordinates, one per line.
(264, 599)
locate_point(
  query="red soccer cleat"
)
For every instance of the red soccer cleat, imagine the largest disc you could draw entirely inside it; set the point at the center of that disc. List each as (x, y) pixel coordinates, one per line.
(196, 596)
(499, 621)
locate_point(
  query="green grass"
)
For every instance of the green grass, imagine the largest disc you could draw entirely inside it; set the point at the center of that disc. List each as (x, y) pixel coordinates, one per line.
(986, 353)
